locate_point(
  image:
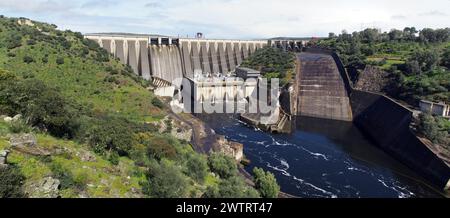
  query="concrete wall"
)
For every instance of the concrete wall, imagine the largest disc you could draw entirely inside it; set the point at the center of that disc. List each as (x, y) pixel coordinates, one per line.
(387, 123)
(168, 58)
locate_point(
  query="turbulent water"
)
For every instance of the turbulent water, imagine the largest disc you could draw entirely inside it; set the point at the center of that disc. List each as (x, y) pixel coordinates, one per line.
(323, 159)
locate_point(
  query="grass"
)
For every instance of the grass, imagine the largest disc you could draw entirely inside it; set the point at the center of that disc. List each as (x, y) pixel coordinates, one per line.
(100, 178)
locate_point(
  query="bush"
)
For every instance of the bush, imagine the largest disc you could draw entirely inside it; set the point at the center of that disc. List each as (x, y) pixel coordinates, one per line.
(165, 180)
(64, 176)
(110, 134)
(11, 180)
(42, 106)
(222, 165)
(157, 103)
(59, 60)
(429, 127)
(19, 126)
(233, 187)
(14, 41)
(114, 158)
(266, 183)
(197, 167)
(160, 147)
(28, 59)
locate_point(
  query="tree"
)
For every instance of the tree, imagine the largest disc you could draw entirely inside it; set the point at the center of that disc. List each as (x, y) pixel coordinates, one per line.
(446, 58)
(331, 35)
(370, 35)
(222, 165)
(110, 134)
(165, 180)
(266, 183)
(233, 187)
(409, 33)
(430, 128)
(395, 35)
(197, 167)
(427, 59)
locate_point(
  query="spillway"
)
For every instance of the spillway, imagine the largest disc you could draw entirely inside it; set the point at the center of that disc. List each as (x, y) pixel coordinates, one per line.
(322, 92)
(166, 62)
(166, 58)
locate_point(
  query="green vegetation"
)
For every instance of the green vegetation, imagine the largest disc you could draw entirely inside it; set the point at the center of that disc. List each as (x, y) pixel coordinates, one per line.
(273, 63)
(437, 129)
(90, 112)
(11, 182)
(222, 165)
(266, 183)
(418, 65)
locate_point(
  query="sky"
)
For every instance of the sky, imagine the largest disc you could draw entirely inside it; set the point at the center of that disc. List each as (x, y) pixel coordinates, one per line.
(240, 19)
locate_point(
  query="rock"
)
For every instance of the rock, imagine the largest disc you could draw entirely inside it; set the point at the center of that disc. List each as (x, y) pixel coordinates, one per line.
(87, 157)
(4, 158)
(8, 119)
(230, 148)
(12, 119)
(17, 117)
(23, 140)
(179, 129)
(47, 187)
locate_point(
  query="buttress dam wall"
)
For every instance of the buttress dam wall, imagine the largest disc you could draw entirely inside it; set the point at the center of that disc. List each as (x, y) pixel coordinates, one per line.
(165, 59)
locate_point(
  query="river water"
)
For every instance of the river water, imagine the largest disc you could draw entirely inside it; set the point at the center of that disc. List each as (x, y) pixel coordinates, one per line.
(323, 159)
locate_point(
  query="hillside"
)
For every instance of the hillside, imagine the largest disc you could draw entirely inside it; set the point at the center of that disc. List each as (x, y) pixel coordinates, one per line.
(78, 123)
(273, 63)
(416, 62)
(407, 65)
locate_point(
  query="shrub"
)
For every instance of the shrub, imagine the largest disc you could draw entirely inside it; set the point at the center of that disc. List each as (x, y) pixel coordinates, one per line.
(159, 147)
(157, 103)
(165, 180)
(110, 134)
(13, 41)
(64, 176)
(266, 183)
(19, 126)
(59, 60)
(11, 180)
(197, 167)
(429, 127)
(114, 158)
(27, 59)
(233, 187)
(222, 165)
(41, 105)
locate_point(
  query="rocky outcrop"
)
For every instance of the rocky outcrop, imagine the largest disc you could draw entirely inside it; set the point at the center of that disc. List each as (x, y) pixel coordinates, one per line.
(372, 79)
(176, 128)
(12, 119)
(27, 144)
(47, 187)
(230, 148)
(22, 140)
(4, 158)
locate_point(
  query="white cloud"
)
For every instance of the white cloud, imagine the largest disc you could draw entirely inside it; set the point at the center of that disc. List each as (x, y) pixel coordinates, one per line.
(232, 18)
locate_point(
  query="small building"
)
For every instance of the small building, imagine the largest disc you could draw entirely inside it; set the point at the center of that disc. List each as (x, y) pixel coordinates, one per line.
(246, 73)
(439, 109)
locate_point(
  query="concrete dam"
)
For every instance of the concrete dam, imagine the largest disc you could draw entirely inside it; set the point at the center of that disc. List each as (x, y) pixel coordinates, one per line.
(164, 59)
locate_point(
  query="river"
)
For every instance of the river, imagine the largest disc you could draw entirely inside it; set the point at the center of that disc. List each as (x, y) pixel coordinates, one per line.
(323, 159)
